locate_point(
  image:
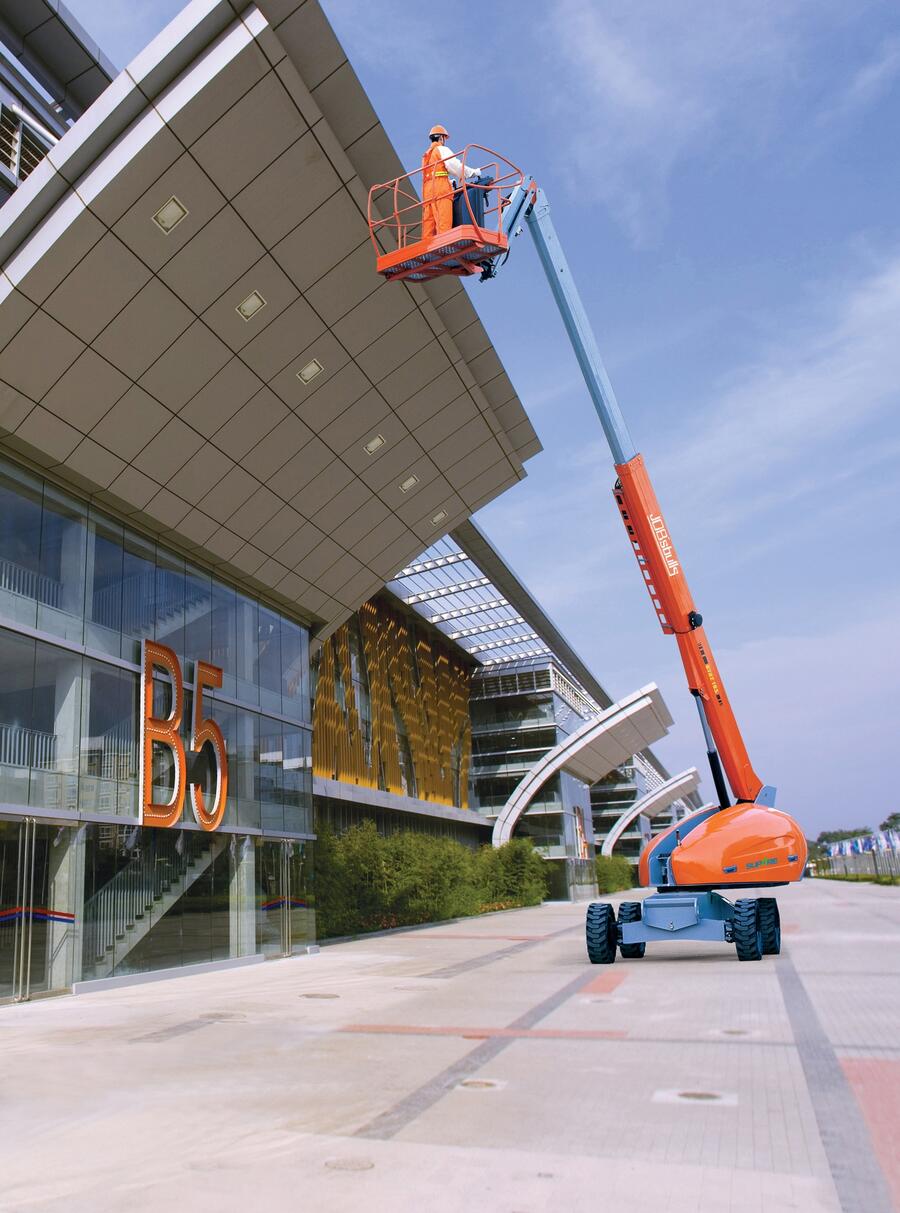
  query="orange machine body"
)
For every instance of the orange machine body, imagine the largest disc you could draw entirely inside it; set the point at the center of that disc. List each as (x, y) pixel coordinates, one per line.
(746, 844)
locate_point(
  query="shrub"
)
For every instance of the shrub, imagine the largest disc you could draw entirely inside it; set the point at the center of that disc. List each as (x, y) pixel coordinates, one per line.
(367, 882)
(614, 873)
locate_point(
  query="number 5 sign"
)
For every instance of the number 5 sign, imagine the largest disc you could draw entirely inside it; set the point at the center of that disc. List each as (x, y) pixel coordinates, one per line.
(165, 731)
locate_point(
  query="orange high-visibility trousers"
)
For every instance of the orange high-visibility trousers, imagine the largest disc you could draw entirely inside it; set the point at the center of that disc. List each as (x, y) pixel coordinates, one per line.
(437, 204)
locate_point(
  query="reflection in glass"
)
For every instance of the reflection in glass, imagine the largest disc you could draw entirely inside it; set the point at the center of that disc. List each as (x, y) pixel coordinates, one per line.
(21, 584)
(63, 548)
(103, 593)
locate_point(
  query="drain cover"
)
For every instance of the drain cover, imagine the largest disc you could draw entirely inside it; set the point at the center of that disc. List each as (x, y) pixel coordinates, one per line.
(479, 1084)
(721, 1099)
(320, 995)
(349, 1164)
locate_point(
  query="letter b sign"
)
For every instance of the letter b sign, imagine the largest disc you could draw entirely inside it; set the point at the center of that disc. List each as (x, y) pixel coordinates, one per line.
(165, 731)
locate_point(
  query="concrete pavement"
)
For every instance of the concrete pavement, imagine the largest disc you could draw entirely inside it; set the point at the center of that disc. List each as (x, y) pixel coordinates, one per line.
(481, 1065)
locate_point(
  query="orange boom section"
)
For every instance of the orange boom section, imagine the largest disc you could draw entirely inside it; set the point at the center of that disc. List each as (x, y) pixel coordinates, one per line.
(671, 597)
(405, 250)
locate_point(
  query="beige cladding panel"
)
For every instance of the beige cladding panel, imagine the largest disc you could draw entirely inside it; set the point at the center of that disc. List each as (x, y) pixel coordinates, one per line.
(161, 370)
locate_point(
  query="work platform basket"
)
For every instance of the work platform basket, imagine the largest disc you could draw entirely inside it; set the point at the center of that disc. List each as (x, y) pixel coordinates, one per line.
(396, 212)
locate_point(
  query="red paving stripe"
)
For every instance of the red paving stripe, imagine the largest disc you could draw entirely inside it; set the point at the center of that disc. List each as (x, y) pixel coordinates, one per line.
(605, 983)
(876, 1085)
(392, 1029)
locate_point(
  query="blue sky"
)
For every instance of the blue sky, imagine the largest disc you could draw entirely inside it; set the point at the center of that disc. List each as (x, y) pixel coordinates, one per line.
(725, 180)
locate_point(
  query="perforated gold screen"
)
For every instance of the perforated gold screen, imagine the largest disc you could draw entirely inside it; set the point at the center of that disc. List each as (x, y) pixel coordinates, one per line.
(414, 737)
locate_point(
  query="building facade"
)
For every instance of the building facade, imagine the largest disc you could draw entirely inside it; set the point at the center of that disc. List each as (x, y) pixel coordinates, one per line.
(238, 595)
(79, 593)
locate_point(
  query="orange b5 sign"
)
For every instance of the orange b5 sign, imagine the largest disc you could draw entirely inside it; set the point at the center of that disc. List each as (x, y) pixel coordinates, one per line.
(165, 731)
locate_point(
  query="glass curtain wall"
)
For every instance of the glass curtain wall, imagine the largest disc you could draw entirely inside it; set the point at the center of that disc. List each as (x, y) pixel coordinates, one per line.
(79, 591)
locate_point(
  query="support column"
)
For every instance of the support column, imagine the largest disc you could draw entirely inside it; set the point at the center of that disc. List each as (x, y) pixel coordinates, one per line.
(65, 889)
(242, 897)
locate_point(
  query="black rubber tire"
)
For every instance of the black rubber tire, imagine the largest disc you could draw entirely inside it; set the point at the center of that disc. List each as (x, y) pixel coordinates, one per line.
(770, 925)
(630, 911)
(600, 933)
(747, 929)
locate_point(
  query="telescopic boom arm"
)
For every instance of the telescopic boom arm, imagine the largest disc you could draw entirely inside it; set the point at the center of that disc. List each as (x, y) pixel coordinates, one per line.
(650, 537)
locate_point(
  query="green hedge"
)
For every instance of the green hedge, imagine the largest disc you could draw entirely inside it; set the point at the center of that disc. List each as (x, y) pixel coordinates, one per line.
(367, 882)
(614, 873)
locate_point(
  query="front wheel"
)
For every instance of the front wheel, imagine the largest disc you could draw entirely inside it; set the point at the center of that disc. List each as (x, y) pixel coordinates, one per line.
(770, 925)
(748, 940)
(600, 933)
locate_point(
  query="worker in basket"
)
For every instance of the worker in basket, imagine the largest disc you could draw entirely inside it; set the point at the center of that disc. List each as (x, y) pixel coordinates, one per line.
(442, 174)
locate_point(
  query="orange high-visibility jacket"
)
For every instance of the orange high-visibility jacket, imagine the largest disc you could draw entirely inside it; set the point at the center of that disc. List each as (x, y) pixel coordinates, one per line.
(437, 196)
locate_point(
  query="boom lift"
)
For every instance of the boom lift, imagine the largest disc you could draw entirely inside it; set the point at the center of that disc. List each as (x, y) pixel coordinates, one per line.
(743, 841)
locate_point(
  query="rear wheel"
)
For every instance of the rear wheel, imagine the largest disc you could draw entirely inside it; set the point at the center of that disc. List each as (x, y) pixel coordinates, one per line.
(770, 925)
(600, 932)
(630, 911)
(747, 930)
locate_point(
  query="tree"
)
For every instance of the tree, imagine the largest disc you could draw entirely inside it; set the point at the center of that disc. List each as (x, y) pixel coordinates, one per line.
(828, 836)
(891, 822)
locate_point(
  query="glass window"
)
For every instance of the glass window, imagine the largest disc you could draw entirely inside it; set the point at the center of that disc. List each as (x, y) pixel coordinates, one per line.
(297, 780)
(103, 593)
(295, 694)
(269, 660)
(17, 743)
(138, 594)
(270, 774)
(197, 616)
(56, 728)
(224, 635)
(63, 549)
(247, 648)
(246, 751)
(21, 583)
(170, 586)
(109, 740)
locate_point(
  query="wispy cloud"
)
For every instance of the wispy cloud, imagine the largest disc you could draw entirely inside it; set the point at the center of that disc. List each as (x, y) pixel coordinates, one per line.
(790, 416)
(868, 85)
(648, 87)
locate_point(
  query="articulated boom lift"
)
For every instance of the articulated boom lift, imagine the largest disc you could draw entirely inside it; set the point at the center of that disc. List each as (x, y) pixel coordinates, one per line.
(744, 841)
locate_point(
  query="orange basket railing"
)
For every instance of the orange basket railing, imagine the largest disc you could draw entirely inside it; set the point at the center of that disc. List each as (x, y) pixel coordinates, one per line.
(395, 207)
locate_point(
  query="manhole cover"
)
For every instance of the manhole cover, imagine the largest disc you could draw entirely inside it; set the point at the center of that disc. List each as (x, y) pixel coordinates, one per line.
(478, 1084)
(349, 1164)
(222, 1015)
(320, 995)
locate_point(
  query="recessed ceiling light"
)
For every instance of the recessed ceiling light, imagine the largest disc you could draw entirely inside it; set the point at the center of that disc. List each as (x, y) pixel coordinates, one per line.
(409, 483)
(248, 308)
(170, 214)
(439, 517)
(374, 444)
(307, 373)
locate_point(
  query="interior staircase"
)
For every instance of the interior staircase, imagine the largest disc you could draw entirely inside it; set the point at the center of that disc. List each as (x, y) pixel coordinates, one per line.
(124, 911)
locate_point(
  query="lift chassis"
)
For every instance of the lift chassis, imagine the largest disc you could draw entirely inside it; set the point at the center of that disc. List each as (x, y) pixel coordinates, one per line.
(743, 841)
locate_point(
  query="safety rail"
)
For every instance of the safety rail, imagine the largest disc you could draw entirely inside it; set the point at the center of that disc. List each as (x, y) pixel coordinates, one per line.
(27, 747)
(136, 888)
(27, 583)
(396, 213)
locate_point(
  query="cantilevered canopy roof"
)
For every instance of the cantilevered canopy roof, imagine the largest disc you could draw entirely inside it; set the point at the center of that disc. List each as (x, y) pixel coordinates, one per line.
(192, 330)
(624, 728)
(463, 586)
